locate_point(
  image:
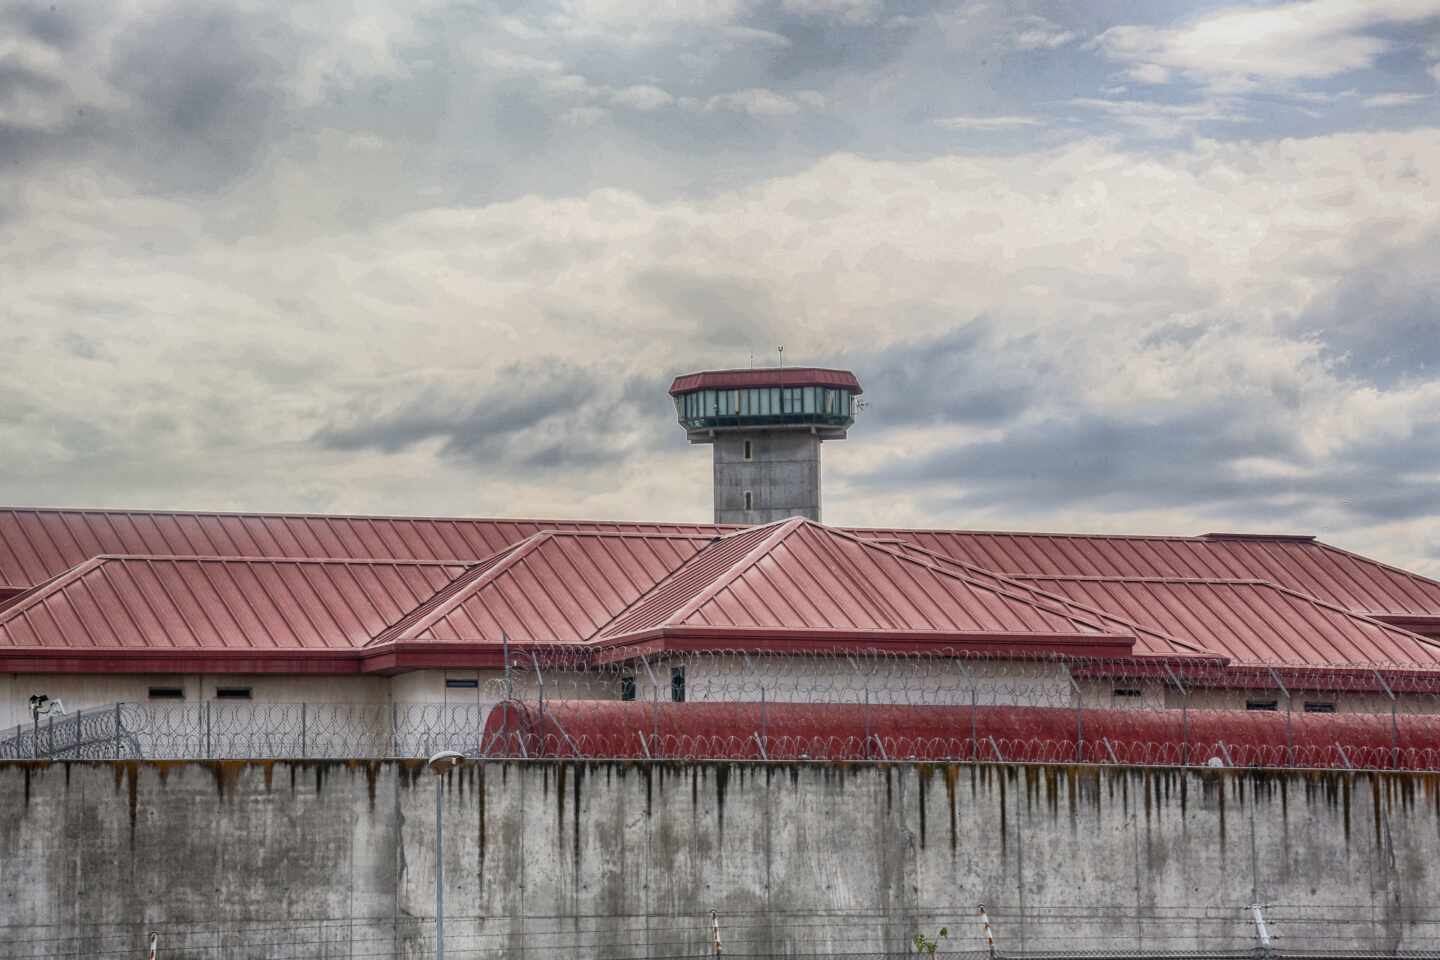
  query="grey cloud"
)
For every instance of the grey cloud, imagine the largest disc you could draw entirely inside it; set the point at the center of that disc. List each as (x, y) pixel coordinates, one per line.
(1192, 459)
(1382, 322)
(969, 374)
(207, 89)
(731, 312)
(46, 22)
(536, 415)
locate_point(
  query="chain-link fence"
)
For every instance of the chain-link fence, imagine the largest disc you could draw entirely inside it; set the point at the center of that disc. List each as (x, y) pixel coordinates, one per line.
(940, 705)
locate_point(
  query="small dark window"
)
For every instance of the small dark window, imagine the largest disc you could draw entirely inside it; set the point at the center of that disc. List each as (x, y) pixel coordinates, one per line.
(1262, 704)
(167, 693)
(1129, 692)
(677, 684)
(627, 688)
(1317, 706)
(749, 500)
(462, 684)
(749, 453)
(231, 693)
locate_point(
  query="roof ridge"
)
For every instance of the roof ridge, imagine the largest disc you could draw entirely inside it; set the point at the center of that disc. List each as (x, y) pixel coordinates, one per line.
(1027, 533)
(456, 590)
(1134, 579)
(783, 529)
(899, 552)
(280, 514)
(678, 572)
(22, 602)
(215, 558)
(1067, 604)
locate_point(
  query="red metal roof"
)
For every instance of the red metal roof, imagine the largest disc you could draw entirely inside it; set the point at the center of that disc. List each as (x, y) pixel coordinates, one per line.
(555, 587)
(1249, 620)
(1300, 563)
(37, 544)
(799, 575)
(178, 603)
(765, 377)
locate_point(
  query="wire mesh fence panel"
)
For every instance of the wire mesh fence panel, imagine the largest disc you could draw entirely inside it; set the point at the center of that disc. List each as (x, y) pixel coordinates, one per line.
(936, 704)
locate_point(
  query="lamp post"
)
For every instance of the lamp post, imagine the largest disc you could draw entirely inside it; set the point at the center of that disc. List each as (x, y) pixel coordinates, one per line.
(441, 764)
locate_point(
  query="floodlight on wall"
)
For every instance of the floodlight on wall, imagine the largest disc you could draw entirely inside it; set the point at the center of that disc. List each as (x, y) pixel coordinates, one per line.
(42, 706)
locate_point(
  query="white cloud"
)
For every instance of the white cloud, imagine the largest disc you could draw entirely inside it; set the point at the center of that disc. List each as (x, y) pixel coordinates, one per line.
(584, 116)
(1162, 120)
(1242, 48)
(852, 12)
(761, 102)
(987, 123)
(1394, 99)
(642, 97)
(1133, 281)
(1038, 33)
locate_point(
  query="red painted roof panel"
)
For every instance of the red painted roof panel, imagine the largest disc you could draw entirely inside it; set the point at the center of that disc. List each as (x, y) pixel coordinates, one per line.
(765, 377)
(555, 587)
(1299, 563)
(213, 603)
(799, 575)
(1249, 620)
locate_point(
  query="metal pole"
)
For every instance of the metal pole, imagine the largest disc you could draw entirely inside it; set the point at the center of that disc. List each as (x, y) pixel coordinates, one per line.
(505, 644)
(439, 867)
(1260, 929)
(117, 729)
(989, 934)
(303, 730)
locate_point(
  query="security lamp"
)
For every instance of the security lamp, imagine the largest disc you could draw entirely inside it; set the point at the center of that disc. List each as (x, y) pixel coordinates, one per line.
(444, 760)
(40, 705)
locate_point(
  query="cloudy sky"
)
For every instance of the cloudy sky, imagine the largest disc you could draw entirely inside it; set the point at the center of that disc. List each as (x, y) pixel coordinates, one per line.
(1120, 265)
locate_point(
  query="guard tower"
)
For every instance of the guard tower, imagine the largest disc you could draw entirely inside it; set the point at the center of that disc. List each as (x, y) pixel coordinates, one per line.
(766, 426)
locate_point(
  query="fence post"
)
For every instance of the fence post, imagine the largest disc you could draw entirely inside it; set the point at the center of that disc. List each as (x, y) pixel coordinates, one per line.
(117, 729)
(304, 718)
(505, 645)
(79, 719)
(394, 730)
(1289, 733)
(208, 746)
(763, 725)
(1394, 720)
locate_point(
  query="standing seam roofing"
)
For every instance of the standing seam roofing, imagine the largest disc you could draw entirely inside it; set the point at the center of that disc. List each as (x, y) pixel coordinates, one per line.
(215, 603)
(1248, 620)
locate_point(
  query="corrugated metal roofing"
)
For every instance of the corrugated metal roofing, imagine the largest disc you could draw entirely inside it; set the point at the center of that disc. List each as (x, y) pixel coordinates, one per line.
(1249, 620)
(800, 575)
(1299, 563)
(765, 377)
(197, 603)
(1149, 641)
(556, 587)
(37, 544)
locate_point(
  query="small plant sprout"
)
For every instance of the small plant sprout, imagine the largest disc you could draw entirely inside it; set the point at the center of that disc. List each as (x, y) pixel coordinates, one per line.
(926, 946)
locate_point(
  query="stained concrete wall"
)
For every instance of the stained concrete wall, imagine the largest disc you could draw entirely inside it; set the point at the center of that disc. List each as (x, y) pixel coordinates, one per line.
(625, 860)
(783, 476)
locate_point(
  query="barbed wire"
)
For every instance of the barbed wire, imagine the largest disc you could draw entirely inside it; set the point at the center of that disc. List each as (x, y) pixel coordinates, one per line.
(948, 704)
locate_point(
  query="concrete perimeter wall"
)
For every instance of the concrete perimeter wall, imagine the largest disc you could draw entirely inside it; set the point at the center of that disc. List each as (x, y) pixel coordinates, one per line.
(335, 859)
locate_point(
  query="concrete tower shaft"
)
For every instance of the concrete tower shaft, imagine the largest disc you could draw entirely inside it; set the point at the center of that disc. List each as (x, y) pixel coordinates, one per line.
(766, 427)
